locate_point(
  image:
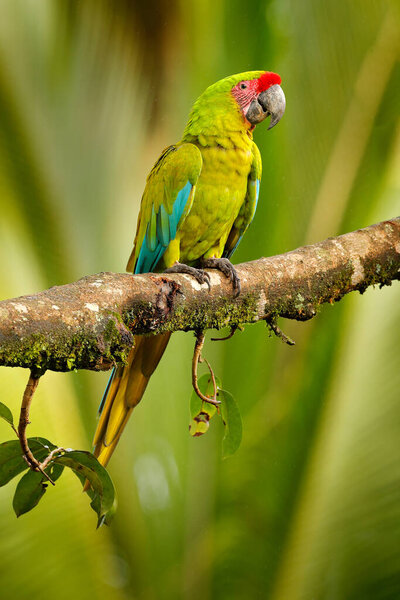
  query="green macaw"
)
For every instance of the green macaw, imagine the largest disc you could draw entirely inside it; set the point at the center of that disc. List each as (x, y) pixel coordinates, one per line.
(200, 198)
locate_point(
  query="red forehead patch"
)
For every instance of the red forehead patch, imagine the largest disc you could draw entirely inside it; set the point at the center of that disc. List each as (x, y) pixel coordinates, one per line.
(267, 79)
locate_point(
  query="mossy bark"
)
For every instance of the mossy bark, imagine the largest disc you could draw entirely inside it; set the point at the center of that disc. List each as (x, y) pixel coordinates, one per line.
(91, 323)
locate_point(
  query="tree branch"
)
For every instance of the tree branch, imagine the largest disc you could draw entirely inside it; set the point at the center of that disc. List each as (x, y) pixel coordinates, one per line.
(89, 324)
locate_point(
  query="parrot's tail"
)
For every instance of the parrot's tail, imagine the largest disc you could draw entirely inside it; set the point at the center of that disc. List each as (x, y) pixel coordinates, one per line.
(124, 391)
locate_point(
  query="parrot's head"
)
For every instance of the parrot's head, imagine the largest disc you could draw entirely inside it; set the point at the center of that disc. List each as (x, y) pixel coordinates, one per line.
(235, 105)
(259, 97)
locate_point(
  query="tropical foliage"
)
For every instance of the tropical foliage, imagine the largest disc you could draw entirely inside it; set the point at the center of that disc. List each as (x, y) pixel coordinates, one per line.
(309, 506)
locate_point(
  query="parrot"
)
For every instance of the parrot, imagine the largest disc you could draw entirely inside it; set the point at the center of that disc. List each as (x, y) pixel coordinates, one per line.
(199, 199)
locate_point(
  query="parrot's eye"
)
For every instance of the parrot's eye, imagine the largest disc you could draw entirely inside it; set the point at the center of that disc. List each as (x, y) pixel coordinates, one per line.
(243, 86)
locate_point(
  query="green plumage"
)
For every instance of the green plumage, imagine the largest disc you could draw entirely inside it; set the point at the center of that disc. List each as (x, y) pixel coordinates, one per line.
(199, 199)
(218, 157)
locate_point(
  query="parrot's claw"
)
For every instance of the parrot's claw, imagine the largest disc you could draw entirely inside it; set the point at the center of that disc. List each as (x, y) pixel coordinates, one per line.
(226, 267)
(199, 275)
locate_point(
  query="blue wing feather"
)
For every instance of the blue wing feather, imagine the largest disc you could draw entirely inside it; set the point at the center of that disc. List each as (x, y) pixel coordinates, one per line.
(161, 229)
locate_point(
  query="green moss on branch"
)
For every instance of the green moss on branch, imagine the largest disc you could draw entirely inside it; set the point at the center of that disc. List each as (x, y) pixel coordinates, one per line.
(91, 323)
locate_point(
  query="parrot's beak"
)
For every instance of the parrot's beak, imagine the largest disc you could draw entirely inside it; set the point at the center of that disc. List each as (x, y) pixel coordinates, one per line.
(271, 102)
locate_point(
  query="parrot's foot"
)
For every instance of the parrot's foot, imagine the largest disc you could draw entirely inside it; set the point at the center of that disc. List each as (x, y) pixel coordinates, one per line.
(226, 267)
(199, 275)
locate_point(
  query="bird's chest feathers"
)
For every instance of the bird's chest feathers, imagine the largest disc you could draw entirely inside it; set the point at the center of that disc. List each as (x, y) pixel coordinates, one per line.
(223, 166)
(220, 193)
(222, 184)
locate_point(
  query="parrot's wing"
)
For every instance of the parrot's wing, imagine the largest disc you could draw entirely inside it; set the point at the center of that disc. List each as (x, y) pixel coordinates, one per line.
(248, 208)
(166, 201)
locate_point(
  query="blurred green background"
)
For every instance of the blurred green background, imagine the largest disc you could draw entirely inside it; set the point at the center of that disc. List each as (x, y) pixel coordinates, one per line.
(309, 507)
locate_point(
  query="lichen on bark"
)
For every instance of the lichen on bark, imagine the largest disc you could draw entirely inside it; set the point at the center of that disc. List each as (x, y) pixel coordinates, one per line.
(91, 323)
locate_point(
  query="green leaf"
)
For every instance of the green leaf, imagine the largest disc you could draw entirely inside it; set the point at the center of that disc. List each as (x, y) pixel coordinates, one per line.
(87, 467)
(95, 504)
(30, 489)
(233, 423)
(11, 461)
(6, 414)
(54, 471)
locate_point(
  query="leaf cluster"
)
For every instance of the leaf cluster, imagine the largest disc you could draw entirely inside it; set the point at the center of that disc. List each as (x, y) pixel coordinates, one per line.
(33, 484)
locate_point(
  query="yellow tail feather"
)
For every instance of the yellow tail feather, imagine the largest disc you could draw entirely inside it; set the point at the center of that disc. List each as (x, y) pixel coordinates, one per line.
(125, 391)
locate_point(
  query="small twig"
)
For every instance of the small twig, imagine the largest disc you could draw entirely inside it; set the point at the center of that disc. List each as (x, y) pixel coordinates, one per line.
(195, 361)
(273, 325)
(234, 329)
(50, 457)
(24, 420)
(34, 464)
